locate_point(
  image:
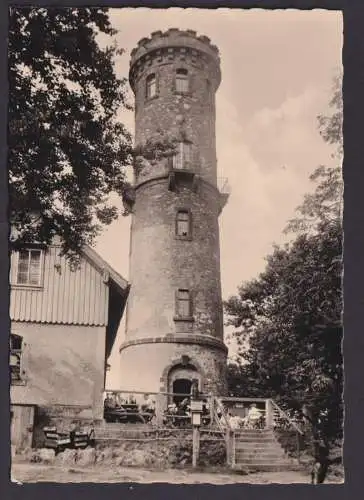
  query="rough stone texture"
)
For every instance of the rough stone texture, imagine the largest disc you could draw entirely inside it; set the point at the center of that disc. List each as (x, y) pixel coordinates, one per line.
(160, 263)
(86, 457)
(43, 455)
(149, 361)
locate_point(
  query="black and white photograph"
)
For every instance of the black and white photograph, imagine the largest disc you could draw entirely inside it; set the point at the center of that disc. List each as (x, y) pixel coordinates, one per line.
(175, 233)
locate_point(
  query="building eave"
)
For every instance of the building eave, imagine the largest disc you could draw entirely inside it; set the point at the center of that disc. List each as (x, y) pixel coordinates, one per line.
(109, 273)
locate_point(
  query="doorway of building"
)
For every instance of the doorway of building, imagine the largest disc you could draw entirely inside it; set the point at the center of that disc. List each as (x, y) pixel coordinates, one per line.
(181, 387)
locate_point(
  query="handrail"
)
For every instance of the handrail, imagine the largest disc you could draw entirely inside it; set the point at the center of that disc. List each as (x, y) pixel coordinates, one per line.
(217, 420)
(242, 400)
(152, 393)
(218, 404)
(287, 417)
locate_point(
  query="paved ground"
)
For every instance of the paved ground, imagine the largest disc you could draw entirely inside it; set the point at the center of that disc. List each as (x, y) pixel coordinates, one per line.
(23, 472)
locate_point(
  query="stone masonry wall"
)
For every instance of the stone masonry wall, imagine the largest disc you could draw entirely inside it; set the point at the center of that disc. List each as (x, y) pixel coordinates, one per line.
(155, 358)
(161, 263)
(190, 115)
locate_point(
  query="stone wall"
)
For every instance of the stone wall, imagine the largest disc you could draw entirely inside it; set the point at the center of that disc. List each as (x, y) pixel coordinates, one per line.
(149, 365)
(191, 114)
(160, 263)
(61, 365)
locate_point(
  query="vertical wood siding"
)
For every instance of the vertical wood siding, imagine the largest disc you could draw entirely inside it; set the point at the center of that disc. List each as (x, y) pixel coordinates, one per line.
(68, 297)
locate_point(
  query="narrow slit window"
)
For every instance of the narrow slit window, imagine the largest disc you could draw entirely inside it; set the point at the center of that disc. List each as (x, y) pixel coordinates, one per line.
(16, 345)
(183, 303)
(29, 267)
(182, 81)
(151, 86)
(183, 226)
(182, 158)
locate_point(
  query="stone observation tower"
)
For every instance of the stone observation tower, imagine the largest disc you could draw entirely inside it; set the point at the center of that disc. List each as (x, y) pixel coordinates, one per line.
(174, 321)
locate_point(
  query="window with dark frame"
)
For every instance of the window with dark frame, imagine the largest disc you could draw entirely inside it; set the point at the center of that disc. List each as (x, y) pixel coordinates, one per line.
(182, 158)
(182, 81)
(183, 303)
(16, 346)
(151, 86)
(29, 267)
(183, 223)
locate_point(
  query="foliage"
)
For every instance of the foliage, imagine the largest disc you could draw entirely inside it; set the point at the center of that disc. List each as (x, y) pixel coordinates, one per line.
(324, 206)
(66, 151)
(290, 315)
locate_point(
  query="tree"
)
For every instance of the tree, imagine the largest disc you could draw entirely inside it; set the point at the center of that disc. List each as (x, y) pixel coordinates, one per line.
(66, 151)
(324, 205)
(290, 315)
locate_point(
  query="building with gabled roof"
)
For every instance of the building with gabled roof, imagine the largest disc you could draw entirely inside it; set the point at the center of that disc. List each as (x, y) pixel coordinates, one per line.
(63, 327)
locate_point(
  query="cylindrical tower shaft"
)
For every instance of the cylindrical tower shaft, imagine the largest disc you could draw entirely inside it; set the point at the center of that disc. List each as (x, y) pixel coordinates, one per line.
(174, 328)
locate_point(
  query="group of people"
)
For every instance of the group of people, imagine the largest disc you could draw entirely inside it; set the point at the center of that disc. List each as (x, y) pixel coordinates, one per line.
(124, 407)
(254, 419)
(179, 414)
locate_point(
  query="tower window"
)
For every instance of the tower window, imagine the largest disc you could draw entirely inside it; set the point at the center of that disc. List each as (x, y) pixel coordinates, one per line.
(183, 306)
(29, 267)
(16, 342)
(183, 223)
(151, 86)
(182, 82)
(182, 159)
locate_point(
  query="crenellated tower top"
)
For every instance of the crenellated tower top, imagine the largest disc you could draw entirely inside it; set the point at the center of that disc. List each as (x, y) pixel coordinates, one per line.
(174, 44)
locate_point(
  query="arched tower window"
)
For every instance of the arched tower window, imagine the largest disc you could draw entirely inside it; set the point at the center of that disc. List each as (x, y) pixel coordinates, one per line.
(182, 80)
(151, 86)
(182, 158)
(183, 223)
(16, 346)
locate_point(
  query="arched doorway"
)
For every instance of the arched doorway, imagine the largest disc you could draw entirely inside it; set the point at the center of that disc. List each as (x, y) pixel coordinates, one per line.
(180, 380)
(181, 387)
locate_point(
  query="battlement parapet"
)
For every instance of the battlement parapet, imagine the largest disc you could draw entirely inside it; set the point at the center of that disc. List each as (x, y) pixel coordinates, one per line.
(162, 47)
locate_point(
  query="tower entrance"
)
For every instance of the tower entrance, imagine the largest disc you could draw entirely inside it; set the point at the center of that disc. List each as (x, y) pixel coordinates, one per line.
(180, 380)
(181, 387)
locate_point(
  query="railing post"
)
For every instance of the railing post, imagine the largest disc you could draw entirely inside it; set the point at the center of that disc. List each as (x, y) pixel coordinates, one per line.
(159, 409)
(229, 444)
(211, 402)
(269, 420)
(298, 446)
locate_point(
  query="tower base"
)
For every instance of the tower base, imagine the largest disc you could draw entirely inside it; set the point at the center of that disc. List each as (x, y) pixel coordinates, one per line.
(170, 365)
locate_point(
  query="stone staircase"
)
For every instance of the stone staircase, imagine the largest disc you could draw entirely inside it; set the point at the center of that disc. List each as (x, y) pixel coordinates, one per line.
(260, 450)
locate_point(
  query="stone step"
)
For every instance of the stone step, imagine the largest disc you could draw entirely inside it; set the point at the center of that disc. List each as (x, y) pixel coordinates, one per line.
(268, 467)
(253, 431)
(252, 445)
(254, 435)
(262, 440)
(268, 457)
(264, 461)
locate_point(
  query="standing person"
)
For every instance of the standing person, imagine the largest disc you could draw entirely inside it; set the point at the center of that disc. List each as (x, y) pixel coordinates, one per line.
(194, 390)
(254, 416)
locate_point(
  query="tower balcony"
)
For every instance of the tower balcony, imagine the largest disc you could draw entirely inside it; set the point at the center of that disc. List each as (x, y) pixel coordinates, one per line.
(185, 171)
(224, 189)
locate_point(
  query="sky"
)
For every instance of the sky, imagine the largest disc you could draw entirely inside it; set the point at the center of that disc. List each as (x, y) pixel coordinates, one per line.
(277, 71)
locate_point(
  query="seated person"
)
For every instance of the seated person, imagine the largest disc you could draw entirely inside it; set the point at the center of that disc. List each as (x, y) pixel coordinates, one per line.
(109, 403)
(132, 400)
(149, 403)
(253, 417)
(235, 422)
